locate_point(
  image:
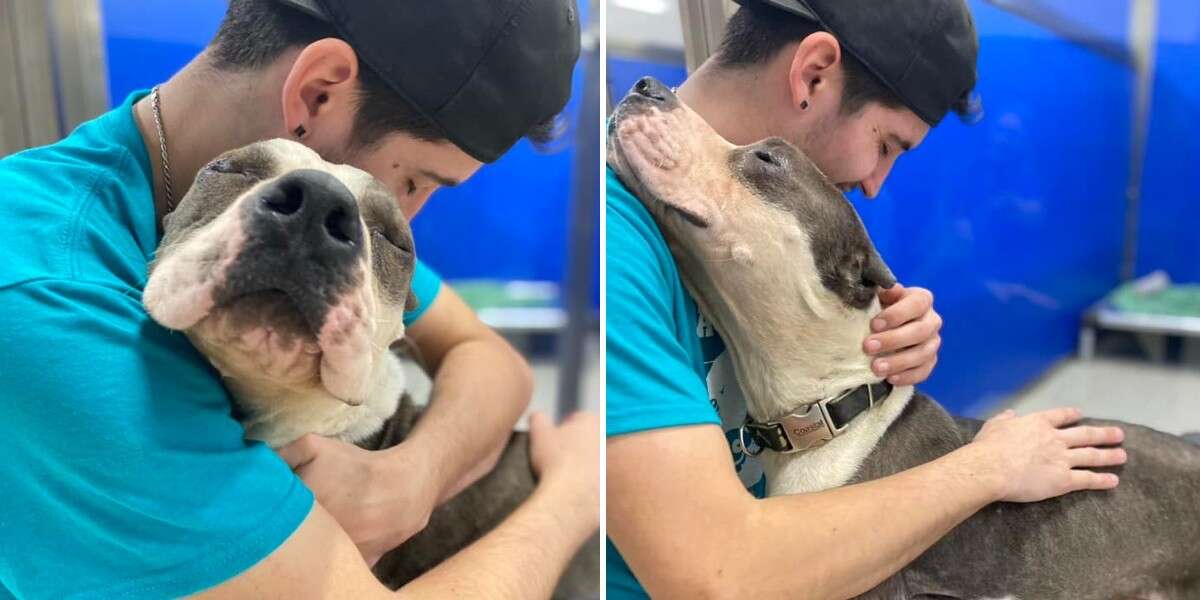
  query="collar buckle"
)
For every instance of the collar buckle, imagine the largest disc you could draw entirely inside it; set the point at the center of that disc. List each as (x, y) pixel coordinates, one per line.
(811, 429)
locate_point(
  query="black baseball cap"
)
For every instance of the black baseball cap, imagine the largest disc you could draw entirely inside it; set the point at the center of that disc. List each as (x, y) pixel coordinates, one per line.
(923, 50)
(484, 71)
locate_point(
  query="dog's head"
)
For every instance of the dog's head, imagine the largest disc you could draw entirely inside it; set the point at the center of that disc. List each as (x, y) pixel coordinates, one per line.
(766, 244)
(289, 273)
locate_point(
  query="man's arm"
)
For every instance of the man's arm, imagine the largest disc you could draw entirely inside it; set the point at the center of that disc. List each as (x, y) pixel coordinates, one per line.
(521, 558)
(481, 385)
(677, 530)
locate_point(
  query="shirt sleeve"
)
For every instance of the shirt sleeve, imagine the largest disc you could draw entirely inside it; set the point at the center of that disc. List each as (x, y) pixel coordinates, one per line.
(652, 380)
(124, 473)
(425, 287)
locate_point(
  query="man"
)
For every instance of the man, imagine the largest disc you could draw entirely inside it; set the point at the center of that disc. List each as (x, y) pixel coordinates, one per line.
(124, 472)
(853, 87)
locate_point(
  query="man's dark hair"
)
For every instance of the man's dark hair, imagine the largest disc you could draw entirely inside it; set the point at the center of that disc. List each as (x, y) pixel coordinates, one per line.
(756, 33)
(256, 32)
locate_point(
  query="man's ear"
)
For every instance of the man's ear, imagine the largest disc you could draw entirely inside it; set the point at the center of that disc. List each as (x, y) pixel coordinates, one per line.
(322, 81)
(813, 64)
(411, 303)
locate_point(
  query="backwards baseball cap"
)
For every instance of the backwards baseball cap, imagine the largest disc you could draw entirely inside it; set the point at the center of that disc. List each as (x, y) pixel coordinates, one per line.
(923, 50)
(484, 71)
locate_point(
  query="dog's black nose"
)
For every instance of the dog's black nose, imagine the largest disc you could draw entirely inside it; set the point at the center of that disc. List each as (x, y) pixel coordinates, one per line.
(315, 210)
(652, 88)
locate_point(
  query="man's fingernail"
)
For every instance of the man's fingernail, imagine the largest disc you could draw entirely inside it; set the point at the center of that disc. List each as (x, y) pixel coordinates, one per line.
(894, 380)
(878, 324)
(873, 345)
(881, 367)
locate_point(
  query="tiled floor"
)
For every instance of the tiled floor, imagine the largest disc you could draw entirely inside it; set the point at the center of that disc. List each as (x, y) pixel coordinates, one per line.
(1164, 397)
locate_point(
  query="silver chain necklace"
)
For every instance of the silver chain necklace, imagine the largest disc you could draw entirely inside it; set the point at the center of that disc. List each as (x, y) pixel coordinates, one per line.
(156, 103)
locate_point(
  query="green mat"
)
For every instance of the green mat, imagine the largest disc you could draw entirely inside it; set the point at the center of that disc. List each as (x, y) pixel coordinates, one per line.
(1172, 300)
(481, 294)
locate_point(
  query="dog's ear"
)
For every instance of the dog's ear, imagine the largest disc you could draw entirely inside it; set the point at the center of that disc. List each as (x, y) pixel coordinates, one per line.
(692, 208)
(876, 272)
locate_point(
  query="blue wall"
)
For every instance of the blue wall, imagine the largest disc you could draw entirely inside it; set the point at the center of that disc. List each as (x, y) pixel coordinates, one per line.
(507, 222)
(1015, 223)
(1169, 232)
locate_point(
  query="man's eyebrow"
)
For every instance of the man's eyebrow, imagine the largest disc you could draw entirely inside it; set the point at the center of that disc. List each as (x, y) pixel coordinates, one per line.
(442, 181)
(905, 146)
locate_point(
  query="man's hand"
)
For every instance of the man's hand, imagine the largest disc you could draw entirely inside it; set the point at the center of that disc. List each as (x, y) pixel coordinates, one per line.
(567, 457)
(380, 498)
(1035, 458)
(906, 336)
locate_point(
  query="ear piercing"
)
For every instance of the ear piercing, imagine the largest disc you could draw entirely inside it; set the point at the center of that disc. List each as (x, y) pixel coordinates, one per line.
(299, 131)
(804, 105)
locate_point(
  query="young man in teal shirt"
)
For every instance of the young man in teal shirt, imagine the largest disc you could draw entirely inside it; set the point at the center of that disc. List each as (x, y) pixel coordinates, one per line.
(853, 88)
(125, 474)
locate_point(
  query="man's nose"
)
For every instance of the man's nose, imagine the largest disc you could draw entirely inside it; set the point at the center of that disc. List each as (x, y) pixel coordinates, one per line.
(872, 185)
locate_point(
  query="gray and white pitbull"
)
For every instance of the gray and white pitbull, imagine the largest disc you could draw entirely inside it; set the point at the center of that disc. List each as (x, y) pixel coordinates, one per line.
(291, 275)
(778, 260)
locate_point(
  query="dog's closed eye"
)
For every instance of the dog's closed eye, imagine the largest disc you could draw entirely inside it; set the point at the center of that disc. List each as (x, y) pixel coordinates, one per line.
(379, 235)
(227, 166)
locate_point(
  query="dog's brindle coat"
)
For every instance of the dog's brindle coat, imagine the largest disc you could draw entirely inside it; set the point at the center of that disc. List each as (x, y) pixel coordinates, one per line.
(292, 275)
(778, 260)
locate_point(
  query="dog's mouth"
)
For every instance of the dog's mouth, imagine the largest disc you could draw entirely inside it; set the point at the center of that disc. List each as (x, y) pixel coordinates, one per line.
(264, 330)
(259, 324)
(634, 150)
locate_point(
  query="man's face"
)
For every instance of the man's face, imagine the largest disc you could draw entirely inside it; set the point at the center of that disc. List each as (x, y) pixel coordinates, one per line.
(860, 150)
(410, 168)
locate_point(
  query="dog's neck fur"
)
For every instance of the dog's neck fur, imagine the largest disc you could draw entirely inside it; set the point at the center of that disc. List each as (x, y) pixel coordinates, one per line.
(785, 363)
(278, 416)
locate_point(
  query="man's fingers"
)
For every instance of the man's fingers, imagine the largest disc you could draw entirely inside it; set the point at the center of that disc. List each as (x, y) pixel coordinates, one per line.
(1096, 457)
(889, 296)
(1088, 480)
(539, 422)
(908, 334)
(913, 376)
(1006, 414)
(301, 451)
(1059, 417)
(916, 356)
(915, 303)
(1077, 437)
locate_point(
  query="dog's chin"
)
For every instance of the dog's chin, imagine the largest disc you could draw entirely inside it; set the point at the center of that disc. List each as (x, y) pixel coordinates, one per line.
(264, 336)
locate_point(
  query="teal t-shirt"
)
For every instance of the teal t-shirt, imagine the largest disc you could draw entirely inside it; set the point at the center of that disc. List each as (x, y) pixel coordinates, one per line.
(665, 364)
(123, 472)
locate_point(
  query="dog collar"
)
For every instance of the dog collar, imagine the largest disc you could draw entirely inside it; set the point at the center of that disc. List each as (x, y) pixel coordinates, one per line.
(818, 424)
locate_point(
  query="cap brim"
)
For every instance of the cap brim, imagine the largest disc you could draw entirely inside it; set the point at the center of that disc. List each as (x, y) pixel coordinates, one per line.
(796, 7)
(309, 7)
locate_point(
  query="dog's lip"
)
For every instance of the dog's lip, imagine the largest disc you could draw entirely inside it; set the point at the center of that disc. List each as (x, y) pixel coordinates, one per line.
(228, 303)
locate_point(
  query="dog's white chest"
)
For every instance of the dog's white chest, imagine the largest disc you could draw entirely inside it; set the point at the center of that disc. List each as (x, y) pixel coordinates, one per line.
(835, 463)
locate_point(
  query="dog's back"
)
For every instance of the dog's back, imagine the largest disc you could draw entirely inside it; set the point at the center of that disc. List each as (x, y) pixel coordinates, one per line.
(474, 512)
(1141, 540)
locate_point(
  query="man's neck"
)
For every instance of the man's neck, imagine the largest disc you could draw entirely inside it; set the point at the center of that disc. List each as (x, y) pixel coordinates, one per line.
(736, 102)
(203, 115)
